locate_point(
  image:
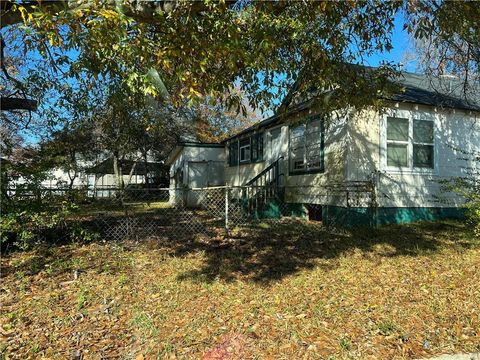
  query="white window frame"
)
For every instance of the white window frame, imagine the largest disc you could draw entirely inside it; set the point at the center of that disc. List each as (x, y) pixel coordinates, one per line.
(240, 147)
(305, 168)
(411, 116)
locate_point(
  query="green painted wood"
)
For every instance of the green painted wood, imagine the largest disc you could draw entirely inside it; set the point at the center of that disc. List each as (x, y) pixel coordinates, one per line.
(362, 216)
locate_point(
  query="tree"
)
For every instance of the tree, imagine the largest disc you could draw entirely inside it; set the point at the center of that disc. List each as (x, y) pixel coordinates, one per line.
(214, 122)
(70, 149)
(447, 38)
(130, 128)
(184, 50)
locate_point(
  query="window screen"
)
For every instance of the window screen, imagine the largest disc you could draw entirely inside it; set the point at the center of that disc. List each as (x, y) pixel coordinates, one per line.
(306, 146)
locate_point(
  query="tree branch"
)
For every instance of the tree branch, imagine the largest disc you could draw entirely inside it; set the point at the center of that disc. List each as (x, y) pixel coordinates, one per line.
(10, 104)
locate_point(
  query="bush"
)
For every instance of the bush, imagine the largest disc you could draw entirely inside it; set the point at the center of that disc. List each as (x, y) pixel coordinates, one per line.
(469, 189)
(25, 224)
(29, 225)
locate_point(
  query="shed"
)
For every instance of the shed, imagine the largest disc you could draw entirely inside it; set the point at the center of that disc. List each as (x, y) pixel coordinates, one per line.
(195, 165)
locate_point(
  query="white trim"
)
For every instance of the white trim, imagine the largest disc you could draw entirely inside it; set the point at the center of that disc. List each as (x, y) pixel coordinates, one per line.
(240, 147)
(411, 115)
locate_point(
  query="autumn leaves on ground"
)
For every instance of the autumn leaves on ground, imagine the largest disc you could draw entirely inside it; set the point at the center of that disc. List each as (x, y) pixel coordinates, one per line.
(294, 292)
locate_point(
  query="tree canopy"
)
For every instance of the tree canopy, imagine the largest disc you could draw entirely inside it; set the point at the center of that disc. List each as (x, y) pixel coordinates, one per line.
(183, 52)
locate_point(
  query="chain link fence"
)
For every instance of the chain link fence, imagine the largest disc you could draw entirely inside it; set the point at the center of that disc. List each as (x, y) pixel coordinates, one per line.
(143, 213)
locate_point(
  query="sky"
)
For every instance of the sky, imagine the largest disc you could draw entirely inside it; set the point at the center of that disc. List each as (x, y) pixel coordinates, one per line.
(401, 44)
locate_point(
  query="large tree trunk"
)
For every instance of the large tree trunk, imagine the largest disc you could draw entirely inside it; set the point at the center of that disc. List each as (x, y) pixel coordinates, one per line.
(130, 174)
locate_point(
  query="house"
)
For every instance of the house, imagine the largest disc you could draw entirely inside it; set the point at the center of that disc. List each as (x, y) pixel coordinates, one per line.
(97, 176)
(359, 166)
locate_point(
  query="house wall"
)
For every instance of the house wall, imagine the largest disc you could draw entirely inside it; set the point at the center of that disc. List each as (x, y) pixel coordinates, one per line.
(299, 187)
(240, 174)
(418, 188)
(58, 178)
(316, 188)
(214, 157)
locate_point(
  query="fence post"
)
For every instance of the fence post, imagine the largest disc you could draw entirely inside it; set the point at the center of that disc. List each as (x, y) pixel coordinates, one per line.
(226, 209)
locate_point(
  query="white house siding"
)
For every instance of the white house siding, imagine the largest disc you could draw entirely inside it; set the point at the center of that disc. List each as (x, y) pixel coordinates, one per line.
(190, 159)
(58, 178)
(324, 187)
(417, 187)
(240, 174)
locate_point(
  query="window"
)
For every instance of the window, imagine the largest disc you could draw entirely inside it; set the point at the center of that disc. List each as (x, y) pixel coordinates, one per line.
(423, 144)
(410, 143)
(246, 150)
(306, 147)
(397, 142)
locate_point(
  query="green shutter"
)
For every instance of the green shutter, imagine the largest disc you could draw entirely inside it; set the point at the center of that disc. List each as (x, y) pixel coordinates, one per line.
(233, 153)
(260, 146)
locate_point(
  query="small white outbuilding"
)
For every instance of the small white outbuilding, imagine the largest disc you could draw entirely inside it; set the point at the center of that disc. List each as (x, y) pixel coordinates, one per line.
(193, 166)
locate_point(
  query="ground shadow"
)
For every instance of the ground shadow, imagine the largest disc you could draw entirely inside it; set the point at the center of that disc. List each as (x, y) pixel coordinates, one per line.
(267, 253)
(40, 259)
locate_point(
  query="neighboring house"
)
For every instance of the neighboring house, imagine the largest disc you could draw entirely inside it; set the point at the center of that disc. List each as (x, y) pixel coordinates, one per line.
(98, 176)
(359, 166)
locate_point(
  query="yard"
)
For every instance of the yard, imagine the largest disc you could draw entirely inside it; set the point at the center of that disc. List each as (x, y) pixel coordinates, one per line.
(286, 292)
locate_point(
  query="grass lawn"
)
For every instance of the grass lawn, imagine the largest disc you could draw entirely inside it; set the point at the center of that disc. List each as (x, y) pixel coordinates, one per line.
(286, 292)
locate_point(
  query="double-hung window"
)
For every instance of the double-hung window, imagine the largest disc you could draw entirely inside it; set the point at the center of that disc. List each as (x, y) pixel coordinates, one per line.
(409, 143)
(245, 150)
(306, 147)
(397, 142)
(423, 144)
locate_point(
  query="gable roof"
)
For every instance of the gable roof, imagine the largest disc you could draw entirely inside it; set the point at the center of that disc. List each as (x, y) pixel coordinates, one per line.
(446, 92)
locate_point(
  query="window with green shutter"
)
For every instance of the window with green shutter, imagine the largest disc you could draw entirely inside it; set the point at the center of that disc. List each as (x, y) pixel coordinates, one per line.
(246, 150)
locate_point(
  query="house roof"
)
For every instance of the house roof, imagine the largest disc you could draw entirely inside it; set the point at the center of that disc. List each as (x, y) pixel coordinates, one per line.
(446, 92)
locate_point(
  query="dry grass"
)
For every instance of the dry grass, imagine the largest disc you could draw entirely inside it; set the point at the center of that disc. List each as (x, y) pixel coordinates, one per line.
(284, 293)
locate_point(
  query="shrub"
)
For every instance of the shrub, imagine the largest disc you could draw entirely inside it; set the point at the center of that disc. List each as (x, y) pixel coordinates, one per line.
(469, 189)
(26, 225)
(473, 213)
